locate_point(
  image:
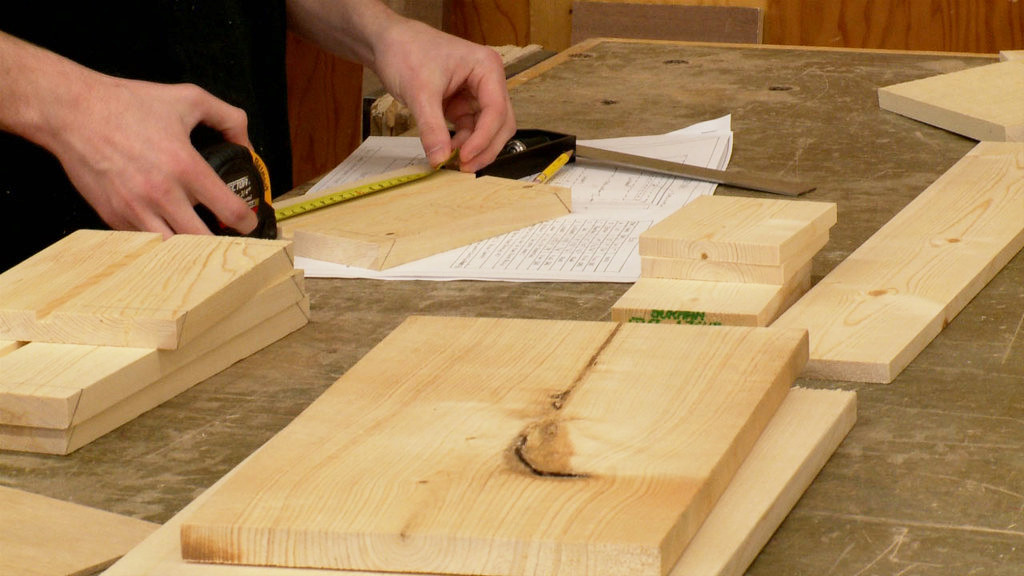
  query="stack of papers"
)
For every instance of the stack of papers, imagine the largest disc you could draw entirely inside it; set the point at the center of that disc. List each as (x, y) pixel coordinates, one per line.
(598, 242)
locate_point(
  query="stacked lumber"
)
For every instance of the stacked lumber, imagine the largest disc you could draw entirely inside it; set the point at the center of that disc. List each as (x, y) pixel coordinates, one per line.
(444, 211)
(103, 326)
(801, 437)
(41, 536)
(879, 308)
(498, 446)
(983, 103)
(727, 260)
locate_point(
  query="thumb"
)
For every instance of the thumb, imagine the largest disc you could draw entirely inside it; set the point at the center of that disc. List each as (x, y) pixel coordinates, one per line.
(434, 135)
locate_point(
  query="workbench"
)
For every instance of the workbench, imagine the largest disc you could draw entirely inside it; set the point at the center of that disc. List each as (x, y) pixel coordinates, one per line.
(930, 480)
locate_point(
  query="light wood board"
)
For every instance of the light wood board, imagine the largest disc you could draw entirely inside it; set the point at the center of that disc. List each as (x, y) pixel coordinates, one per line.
(443, 211)
(985, 103)
(875, 312)
(491, 446)
(116, 288)
(714, 271)
(41, 536)
(672, 301)
(803, 434)
(47, 385)
(67, 440)
(735, 229)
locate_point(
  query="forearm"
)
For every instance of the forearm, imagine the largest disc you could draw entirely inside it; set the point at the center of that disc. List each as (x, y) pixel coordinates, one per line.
(37, 89)
(348, 28)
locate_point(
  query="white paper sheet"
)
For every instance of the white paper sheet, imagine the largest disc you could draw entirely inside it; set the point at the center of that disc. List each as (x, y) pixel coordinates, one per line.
(596, 243)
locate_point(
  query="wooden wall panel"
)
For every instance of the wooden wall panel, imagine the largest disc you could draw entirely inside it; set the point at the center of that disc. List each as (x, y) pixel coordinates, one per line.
(986, 26)
(325, 108)
(492, 22)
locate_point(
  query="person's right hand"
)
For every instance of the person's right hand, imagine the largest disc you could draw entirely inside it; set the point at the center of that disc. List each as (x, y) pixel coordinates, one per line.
(125, 146)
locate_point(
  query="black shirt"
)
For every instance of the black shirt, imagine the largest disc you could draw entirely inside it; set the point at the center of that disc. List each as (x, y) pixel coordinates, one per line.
(234, 49)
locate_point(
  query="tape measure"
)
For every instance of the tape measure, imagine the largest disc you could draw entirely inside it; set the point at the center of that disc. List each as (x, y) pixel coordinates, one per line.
(246, 175)
(343, 194)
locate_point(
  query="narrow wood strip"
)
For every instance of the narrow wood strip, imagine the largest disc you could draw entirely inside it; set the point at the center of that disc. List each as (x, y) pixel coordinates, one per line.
(674, 301)
(65, 441)
(47, 385)
(759, 231)
(714, 271)
(875, 312)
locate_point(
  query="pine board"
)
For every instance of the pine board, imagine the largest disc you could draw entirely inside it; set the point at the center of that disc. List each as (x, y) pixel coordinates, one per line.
(421, 218)
(673, 301)
(803, 434)
(713, 271)
(48, 385)
(985, 103)
(491, 446)
(41, 536)
(875, 312)
(115, 288)
(67, 440)
(757, 231)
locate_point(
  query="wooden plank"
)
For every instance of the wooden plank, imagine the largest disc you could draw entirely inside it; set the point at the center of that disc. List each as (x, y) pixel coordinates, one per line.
(1005, 55)
(673, 301)
(492, 446)
(41, 536)
(140, 293)
(801, 437)
(736, 229)
(47, 385)
(67, 440)
(713, 271)
(425, 217)
(661, 21)
(983, 103)
(880, 307)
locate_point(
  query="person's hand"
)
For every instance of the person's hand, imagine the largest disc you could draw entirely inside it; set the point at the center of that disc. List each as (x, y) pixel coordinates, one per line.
(439, 76)
(126, 149)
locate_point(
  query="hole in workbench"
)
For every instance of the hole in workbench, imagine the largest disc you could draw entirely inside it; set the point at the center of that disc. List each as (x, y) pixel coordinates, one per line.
(676, 61)
(780, 88)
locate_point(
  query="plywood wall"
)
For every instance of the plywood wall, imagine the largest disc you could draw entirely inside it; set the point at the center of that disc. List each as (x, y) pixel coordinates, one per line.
(986, 26)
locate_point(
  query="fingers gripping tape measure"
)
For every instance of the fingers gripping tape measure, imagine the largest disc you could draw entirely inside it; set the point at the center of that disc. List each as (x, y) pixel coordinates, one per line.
(245, 174)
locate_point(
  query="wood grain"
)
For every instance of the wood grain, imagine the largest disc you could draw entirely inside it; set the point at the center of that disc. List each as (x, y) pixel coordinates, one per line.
(49, 385)
(756, 231)
(446, 210)
(130, 289)
(934, 25)
(715, 271)
(115, 413)
(41, 536)
(507, 447)
(675, 301)
(984, 103)
(880, 307)
(801, 437)
(325, 109)
(662, 21)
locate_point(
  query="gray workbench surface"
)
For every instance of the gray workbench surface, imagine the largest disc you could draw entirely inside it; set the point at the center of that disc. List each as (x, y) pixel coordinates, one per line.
(929, 482)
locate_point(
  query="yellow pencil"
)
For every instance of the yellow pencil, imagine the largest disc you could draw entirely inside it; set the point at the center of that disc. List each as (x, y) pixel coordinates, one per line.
(553, 167)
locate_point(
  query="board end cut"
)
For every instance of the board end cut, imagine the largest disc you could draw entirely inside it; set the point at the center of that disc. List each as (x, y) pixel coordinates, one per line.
(983, 103)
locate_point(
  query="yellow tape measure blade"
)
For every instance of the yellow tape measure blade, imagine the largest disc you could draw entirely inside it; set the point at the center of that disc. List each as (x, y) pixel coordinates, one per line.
(343, 194)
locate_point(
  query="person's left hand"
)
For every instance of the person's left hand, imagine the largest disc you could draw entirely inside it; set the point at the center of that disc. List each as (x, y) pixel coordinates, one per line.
(439, 76)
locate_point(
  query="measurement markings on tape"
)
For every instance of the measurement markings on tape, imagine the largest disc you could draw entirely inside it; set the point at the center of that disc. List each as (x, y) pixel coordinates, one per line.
(346, 194)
